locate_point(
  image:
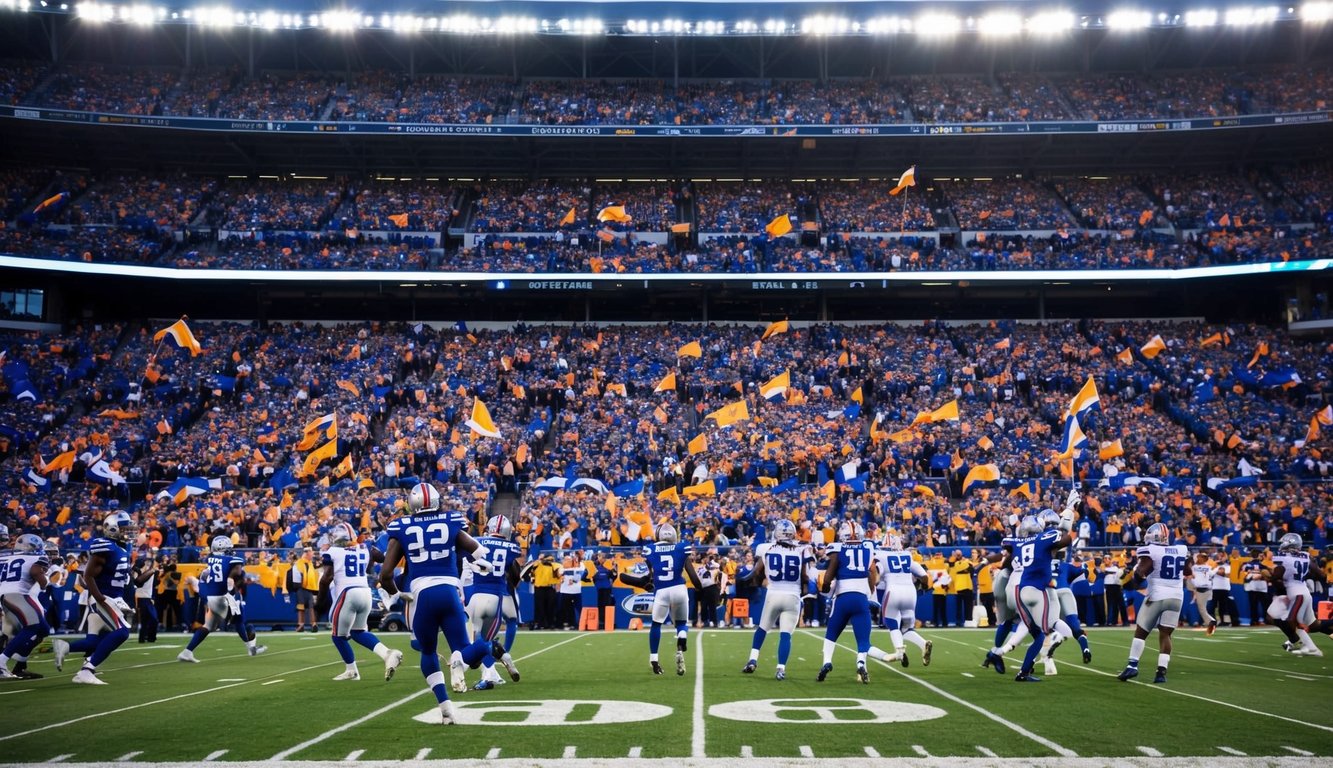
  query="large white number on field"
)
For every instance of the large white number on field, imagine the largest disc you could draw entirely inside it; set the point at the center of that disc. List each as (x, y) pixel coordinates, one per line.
(825, 711)
(549, 712)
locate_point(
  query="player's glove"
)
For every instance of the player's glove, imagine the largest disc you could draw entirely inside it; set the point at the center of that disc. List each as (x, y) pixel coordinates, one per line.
(389, 600)
(233, 605)
(1073, 499)
(481, 561)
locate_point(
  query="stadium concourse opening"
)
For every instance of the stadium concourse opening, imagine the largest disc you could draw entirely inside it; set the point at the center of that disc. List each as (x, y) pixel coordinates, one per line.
(721, 383)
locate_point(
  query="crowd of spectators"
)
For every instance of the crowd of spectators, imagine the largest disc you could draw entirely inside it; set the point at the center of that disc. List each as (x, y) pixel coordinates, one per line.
(577, 402)
(1209, 200)
(333, 251)
(1006, 204)
(868, 207)
(384, 96)
(1111, 204)
(428, 206)
(95, 244)
(528, 207)
(271, 204)
(140, 202)
(748, 207)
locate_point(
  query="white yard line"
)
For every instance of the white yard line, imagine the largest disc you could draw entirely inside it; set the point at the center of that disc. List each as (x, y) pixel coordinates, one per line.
(283, 755)
(698, 731)
(65, 675)
(21, 690)
(1251, 666)
(272, 682)
(912, 761)
(1015, 727)
(132, 707)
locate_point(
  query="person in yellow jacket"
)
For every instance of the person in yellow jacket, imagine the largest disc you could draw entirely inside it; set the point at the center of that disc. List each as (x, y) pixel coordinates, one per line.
(302, 583)
(960, 571)
(986, 585)
(545, 581)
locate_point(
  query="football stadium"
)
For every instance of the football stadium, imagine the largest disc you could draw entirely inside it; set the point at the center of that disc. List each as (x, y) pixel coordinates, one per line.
(666, 383)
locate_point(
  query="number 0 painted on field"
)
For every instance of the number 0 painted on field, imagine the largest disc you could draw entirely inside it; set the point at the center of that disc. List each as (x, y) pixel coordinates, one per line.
(825, 711)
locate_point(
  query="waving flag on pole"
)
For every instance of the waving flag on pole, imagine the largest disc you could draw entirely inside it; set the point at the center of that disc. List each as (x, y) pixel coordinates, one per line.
(773, 329)
(1073, 439)
(667, 384)
(778, 226)
(908, 179)
(983, 473)
(1085, 399)
(690, 350)
(730, 414)
(481, 420)
(1153, 348)
(178, 335)
(776, 386)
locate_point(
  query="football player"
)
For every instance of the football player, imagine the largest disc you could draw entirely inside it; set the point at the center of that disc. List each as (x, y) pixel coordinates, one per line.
(1292, 610)
(1009, 628)
(1164, 566)
(670, 562)
(1066, 574)
(104, 580)
(222, 589)
(850, 576)
(22, 571)
(899, 572)
(493, 598)
(343, 585)
(785, 562)
(428, 539)
(1039, 557)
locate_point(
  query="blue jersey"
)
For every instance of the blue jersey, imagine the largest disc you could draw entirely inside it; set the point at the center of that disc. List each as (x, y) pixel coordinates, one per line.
(115, 571)
(666, 561)
(502, 553)
(428, 542)
(1068, 574)
(213, 579)
(1037, 556)
(854, 559)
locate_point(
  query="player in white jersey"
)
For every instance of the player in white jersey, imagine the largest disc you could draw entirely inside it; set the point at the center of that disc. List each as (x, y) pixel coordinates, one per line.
(22, 574)
(899, 572)
(1292, 609)
(787, 564)
(1201, 588)
(344, 586)
(1164, 566)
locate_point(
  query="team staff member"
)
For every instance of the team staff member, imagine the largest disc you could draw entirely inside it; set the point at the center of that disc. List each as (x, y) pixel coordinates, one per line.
(603, 578)
(301, 567)
(986, 589)
(1256, 587)
(545, 580)
(1112, 574)
(145, 576)
(960, 571)
(1223, 605)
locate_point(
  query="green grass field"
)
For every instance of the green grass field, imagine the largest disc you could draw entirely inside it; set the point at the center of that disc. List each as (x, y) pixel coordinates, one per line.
(1233, 696)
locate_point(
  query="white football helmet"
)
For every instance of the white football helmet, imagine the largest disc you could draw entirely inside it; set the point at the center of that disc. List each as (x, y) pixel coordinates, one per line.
(666, 533)
(498, 527)
(423, 498)
(4, 535)
(784, 531)
(29, 542)
(119, 526)
(893, 542)
(1290, 542)
(1028, 526)
(1048, 518)
(342, 535)
(220, 545)
(850, 532)
(1157, 534)
(52, 550)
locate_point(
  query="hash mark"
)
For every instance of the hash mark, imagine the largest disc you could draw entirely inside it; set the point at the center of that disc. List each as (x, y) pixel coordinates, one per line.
(60, 758)
(635, 752)
(570, 752)
(423, 753)
(494, 753)
(747, 751)
(985, 751)
(806, 751)
(354, 755)
(872, 752)
(1296, 751)
(215, 755)
(128, 756)
(920, 750)
(1231, 751)
(1149, 751)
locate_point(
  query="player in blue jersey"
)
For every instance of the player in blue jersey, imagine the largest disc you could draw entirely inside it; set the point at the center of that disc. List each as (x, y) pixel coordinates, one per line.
(785, 562)
(222, 588)
(851, 578)
(344, 588)
(429, 540)
(1009, 629)
(670, 562)
(23, 572)
(1067, 574)
(104, 580)
(1039, 556)
(493, 600)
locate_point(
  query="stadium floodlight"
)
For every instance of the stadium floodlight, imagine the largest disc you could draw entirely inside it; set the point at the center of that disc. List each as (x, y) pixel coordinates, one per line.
(1317, 12)
(774, 26)
(1000, 24)
(937, 25)
(1050, 22)
(1128, 19)
(140, 15)
(1204, 17)
(1246, 16)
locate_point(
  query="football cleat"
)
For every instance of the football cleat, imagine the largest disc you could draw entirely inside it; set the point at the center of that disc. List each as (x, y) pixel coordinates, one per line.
(823, 672)
(903, 660)
(187, 656)
(510, 669)
(1055, 643)
(61, 649)
(1212, 627)
(350, 674)
(447, 713)
(657, 668)
(27, 674)
(5, 674)
(1087, 655)
(862, 673)
(680, 662)
(1050, 666)
(1160, 677)
(1303, 651)
(456, 678)
(1128, 673)
(994, 660)
(1026, 677)
(391, 664)
(781, 674)
(258, 649)
(1286, 646)
(749, 668)
(483, 685)
(85, 676)
(925, 654)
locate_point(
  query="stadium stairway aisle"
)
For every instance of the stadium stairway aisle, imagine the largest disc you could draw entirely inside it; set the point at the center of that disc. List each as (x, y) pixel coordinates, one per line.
(505, 504)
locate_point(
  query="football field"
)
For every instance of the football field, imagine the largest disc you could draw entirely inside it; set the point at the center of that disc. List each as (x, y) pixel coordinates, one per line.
(588, 698)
